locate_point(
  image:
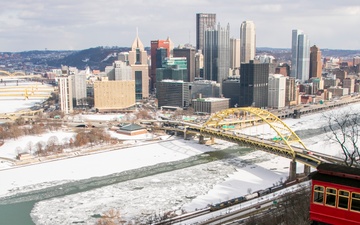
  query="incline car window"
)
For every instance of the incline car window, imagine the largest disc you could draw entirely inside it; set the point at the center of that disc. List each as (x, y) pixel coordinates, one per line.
(318, 194)
(343, 199)
(330, 197)
(355, 201)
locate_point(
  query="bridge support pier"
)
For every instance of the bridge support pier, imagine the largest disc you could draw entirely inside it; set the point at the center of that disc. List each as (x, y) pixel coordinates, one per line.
(292, 170)
(203, 140)
(306, 170)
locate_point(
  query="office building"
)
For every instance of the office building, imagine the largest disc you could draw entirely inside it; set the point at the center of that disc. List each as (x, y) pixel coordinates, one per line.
(217, 53)
(277, 91)
(235, 56)
(300, 56)
(209, 105)
(78, 88)
(315, 62)
(254, 84)
(199, 65)
(247, 41)
(124, 57)
(204, 21)
(115, 95)
(173, 68)
(156, 56)
(189, 54)
(349, 83)
(205, 89)
(65, 94)
(140, 69)
(283, 69)
(291, 93)
(356, 60)
(122, 71)
(231, 89)
(173, 93)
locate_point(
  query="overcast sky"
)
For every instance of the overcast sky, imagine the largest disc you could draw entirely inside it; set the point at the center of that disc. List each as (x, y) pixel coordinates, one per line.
(80, 24)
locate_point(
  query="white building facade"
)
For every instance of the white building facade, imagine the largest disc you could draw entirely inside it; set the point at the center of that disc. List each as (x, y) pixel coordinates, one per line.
(276, 91)
(247, 41)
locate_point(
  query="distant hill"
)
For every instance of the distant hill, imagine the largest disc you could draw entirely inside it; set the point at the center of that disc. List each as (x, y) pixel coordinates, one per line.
(286, 52)
(96, 58)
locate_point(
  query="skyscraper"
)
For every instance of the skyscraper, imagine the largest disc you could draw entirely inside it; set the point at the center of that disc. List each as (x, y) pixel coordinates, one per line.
(204, 21)
(235, 55)
(315, 62)
(140, 69)
(247, 41)
(155, 45)
(217, 53)
(189, 53)
(254, 81)
(300, 56)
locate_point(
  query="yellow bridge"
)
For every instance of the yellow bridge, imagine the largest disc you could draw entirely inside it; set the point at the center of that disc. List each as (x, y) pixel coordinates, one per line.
(18, 74)
(35, 91)
(229, 124)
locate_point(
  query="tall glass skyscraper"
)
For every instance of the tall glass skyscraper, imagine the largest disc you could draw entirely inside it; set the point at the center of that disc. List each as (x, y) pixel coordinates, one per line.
(217, 53)
(204, 21)
(300, 56)
(247, 41)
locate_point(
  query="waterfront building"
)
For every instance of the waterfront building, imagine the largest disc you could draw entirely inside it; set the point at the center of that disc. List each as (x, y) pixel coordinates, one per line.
(291, 92)
(231, 89)
(210, 105)
(277, 91)
(349, 83)
(254, 81)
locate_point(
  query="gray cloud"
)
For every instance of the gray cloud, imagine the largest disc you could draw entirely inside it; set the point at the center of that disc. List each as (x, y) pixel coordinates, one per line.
(68, 24)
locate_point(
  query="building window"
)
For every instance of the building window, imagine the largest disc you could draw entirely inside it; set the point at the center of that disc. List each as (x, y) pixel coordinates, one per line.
(318, 194)
(355, 201)
(343, 199)
(330, 197)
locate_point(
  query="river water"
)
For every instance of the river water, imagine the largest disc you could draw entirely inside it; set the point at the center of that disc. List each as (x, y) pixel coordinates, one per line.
(16, 209)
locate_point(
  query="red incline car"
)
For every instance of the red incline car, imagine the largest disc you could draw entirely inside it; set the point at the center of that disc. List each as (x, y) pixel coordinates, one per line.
(335, 197)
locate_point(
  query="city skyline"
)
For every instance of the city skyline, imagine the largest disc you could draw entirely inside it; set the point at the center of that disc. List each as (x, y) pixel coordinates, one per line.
(68, 25)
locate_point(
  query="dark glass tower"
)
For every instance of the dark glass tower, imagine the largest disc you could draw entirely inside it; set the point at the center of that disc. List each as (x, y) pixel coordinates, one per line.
(254, 84)
(203, 21)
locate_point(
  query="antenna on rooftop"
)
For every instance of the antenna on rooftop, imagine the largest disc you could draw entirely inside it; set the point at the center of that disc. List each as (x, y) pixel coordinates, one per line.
(137, 32)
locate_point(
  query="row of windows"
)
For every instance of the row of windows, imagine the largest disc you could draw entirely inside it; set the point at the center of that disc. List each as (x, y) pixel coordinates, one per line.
(337, 198)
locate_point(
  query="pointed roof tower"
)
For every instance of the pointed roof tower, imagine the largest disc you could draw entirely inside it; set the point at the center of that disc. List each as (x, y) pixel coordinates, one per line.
(137, 44)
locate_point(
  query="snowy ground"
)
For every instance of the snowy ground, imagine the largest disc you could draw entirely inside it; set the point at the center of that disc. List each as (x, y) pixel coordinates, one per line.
(188, 188)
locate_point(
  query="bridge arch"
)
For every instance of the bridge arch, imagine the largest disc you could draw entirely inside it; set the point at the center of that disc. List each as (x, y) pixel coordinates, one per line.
(255, 115)
(12, 74)
(5, 72)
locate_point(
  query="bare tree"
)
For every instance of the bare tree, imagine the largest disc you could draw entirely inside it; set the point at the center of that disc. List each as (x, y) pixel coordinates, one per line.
(111, 217)
(345, 130)
(30, 146)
